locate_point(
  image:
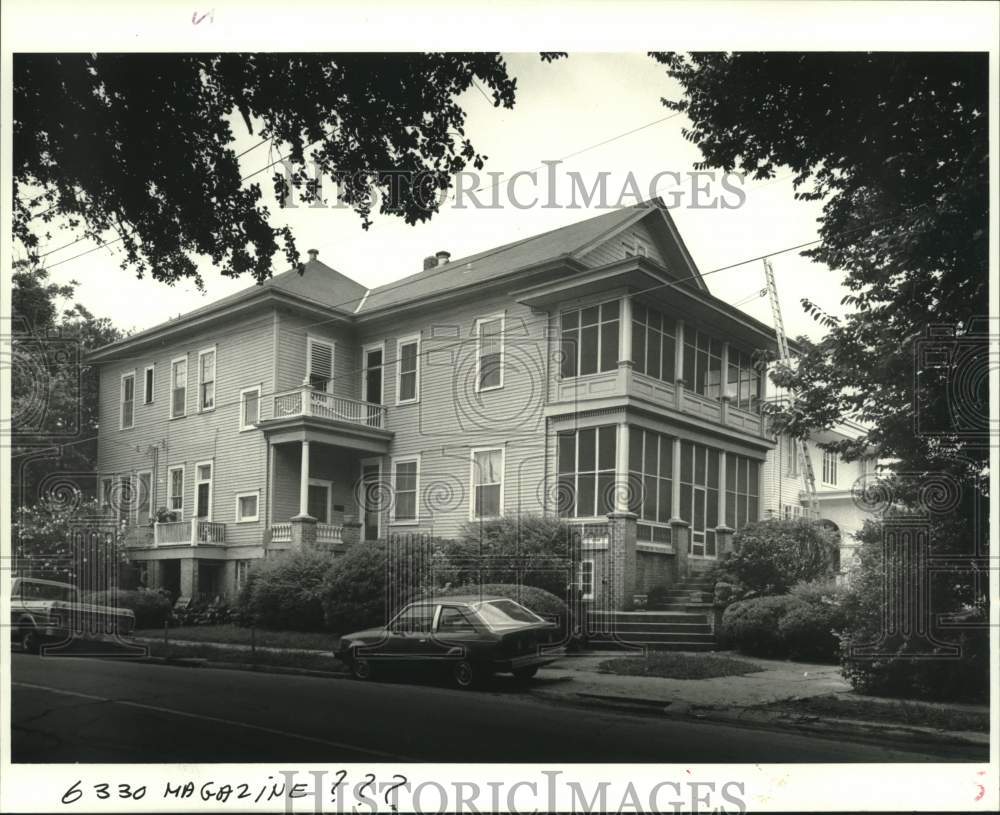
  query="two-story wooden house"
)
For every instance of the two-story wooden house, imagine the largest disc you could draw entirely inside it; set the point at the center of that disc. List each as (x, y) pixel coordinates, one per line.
(585, 372)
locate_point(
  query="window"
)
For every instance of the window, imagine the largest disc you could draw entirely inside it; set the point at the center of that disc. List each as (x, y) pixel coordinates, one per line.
(147, 393)
(650, 465)
(407, 370)
(790, 511)
(586, 463)
(319, 499)
(487, 483)
(319, 364)
(654, 337)
(175, 490)
(405, 482)
(742, 475)
(178, 387)
(242, 572)
(125, 498)
(105, 492)
(247, 506)
(371, 383)
(585, 577)
(413, 618)
(203, 490)
(700, 496)
(128, 401)
(489, 353)
(829, 468)
(791, 455)
(743, 382)
(590, 339)
(249, 408)
(144, 496)
(702, 363)
(453, 620)
(206, 379)
(635, 247)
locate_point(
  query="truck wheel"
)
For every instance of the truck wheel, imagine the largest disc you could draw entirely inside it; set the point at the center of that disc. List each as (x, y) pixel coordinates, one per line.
(30, 641)
(525, 673)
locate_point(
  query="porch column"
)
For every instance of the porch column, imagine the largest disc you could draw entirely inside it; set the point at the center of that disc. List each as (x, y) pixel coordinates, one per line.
(679, 528)
(679, 365)
(625, 332)
(304, 481)
(723, 532)
(622, 491)
(724, 395)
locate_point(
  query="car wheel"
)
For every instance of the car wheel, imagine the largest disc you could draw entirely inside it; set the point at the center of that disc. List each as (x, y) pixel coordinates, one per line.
(30, 641)
(466, 674)
(361, 669)
(525, 673)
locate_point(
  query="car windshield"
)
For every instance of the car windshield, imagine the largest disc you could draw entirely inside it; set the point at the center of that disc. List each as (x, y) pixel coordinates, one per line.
(505, 614)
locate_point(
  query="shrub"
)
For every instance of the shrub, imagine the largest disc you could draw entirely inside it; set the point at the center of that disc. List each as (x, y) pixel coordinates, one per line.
(151, 608)
(543, 603)
(496, 551)
(751, 626)
(810, 631)
(285, 592)
(208, 614)
(773, 555)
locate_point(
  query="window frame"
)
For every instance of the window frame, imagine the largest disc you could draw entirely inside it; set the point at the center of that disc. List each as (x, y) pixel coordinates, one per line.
(473, 485)
(792, 457)
(211, 488)
(584, 594)
(480, 321)
(247, 519)
(149, 384)
(596, 472)
(242, 564)
(328, 486)
(372, 346)
(312, 340)
(149, 496)
(215, 378)
(599, 350)
(171, 469)
(415, 520)
(412, 339)
(243, 426)
(121, 401)
(829, 468)
(173, 380)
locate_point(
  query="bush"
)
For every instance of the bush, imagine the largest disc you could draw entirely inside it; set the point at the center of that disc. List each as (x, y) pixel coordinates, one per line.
(285, 592)
(151, 608)
(208, 614)
(543, 603)
(810, 631)
(497, 551)
(773, 555)
(752, 626)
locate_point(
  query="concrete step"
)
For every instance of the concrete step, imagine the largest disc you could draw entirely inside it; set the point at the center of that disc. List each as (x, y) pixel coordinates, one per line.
(678, 645)
(664, 628)
(655, 637)
(679, 615)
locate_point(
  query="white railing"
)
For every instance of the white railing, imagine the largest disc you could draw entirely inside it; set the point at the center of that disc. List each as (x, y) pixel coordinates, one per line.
(190, 532)
(306, 401)
(329, 533)
(281, 533)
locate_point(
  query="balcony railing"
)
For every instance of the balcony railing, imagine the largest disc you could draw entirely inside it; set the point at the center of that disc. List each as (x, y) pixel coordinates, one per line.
(306, 401)
(281, 533)
(190, 533)
(329, 533)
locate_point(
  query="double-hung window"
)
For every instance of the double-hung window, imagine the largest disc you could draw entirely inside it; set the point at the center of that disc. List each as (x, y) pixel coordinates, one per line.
(489, 353)
(405, 486)
(586, 464)
(487, 483)
(175, 490)
(590, 339)
(206, 379)
(178, 387)
(249, 408)
(829, 468)
(127, 416)
(792, 455)
(407, 370)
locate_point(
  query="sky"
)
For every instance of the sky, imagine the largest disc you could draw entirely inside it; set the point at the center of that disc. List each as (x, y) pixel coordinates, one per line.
(562, 108)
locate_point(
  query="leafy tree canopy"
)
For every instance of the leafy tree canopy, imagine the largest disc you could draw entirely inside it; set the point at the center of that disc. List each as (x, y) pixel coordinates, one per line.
(896, 146)
(138, 148)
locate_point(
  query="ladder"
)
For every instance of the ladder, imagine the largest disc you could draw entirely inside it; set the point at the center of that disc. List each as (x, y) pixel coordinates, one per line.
(785, 356)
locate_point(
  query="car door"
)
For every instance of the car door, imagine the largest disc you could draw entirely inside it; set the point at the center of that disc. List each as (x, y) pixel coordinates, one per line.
(456, 627)
(410, 632)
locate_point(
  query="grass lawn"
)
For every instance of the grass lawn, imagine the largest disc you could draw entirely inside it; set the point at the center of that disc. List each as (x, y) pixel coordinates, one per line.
(678, 666)
(216, 653)
(234, 634)
(895, 711)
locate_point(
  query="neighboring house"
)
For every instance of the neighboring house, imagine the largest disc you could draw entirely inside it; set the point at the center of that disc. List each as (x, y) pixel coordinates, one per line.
(585, 372)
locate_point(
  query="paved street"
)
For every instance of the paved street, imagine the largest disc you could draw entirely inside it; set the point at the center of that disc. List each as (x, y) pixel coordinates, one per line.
(93, 710)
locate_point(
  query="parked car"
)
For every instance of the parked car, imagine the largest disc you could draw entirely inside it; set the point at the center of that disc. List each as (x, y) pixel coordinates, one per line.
(473, 637)
(46, 610)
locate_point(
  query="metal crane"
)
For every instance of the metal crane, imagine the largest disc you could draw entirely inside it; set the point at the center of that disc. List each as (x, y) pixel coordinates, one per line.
(784, 355)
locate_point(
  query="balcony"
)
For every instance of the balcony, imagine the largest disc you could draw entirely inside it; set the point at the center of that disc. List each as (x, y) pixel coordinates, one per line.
(305, 401)
(189, 533)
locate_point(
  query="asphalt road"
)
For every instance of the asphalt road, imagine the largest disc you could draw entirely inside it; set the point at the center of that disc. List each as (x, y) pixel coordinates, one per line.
(93, 710)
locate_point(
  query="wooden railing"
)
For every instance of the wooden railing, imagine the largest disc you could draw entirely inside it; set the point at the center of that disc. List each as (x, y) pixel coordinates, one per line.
(281, 533)
(306, 401)
(191, 532)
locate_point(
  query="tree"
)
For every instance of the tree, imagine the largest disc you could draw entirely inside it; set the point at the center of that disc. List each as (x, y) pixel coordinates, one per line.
(54, 399)
(896, 147)
(139, 147)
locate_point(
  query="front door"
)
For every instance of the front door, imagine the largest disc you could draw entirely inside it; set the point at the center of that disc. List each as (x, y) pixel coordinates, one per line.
(369, 496)
(373, 375)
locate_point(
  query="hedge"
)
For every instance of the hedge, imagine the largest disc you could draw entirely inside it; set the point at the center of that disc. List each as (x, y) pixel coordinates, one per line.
(151, 608)
(751, 626)
(285, 591)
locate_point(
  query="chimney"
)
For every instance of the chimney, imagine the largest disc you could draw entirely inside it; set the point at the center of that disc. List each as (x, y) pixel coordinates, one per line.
(313, 254)
(430, 262)
(442, 257)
